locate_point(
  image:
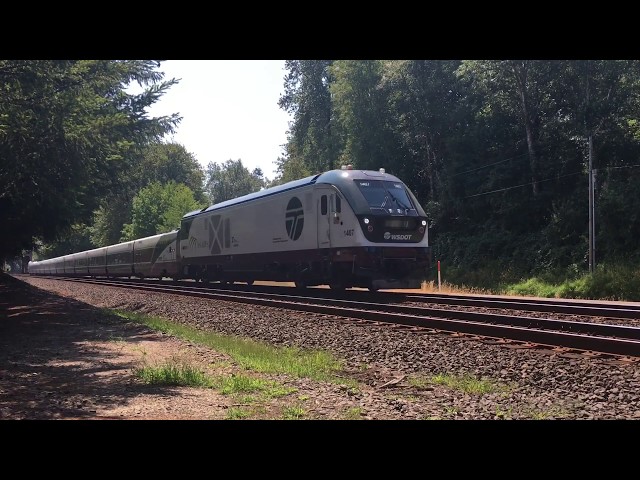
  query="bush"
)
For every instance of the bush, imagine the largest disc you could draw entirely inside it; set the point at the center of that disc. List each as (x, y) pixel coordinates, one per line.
(609, 282)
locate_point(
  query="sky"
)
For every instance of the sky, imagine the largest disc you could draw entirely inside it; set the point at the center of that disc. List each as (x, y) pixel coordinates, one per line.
(229, 110)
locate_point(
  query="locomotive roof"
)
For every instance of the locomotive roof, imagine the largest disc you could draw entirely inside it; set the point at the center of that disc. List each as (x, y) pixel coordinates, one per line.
(342, 179)
(262, 193)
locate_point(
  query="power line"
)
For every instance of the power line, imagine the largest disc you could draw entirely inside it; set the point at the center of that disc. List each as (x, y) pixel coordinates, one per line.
(489, 165)
(524, 185)
(626, 166)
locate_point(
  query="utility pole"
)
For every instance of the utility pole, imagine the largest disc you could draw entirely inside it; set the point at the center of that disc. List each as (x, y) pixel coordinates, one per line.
(592, 229)
(592, 213)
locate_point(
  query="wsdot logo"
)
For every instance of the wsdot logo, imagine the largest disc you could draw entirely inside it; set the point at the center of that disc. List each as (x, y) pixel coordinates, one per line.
(294, 218)
(388, 236)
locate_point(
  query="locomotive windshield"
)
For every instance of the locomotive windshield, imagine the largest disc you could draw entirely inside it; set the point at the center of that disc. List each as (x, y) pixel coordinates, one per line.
(386, 195)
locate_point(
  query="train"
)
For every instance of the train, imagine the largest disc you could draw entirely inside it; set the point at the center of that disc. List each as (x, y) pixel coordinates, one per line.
(342, 228)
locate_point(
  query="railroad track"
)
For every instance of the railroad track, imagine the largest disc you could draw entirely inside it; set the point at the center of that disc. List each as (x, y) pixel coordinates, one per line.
(562, 336)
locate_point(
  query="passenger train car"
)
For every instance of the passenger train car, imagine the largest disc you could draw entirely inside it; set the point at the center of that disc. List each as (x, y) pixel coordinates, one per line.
(153, 256)
(343, 228)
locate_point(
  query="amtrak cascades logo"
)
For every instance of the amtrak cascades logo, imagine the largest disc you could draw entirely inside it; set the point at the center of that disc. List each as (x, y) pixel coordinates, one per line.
(294, 218)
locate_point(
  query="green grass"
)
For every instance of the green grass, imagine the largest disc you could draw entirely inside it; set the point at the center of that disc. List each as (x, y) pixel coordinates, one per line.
(532, 287)
(451, 410)
(236, 413)
(354, 413)
(293, 413)
(419, 382)
(620, 284)
(244, 384)
(241, 387)
(240, 384)
(610, 281)
(175, 374)
(466, 384)
(250, 354)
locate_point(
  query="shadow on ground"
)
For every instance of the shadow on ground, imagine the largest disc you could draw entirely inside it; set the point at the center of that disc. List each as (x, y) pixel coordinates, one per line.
(59, 357)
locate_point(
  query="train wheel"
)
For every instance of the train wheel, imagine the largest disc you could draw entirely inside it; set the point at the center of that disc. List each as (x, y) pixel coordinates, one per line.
(337, 285)
(301, 284)
(249, 282)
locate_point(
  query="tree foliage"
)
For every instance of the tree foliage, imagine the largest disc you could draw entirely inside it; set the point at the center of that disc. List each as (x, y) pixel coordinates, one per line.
(158, 208)
(75, 239)
(231, 180)
(68, 130)
(496, 150)
(166, 162)
(289, 169)
(157, 163)
(308, 99)
(360, 109)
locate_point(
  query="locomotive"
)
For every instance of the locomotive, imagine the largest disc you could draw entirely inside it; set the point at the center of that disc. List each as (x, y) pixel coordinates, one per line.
(343, 228)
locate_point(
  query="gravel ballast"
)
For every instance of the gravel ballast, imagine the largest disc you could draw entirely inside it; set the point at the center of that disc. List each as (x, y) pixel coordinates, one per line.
(400, 370)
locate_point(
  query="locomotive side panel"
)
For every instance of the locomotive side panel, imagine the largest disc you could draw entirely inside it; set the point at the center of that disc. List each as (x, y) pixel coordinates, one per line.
(345, 232)
(265, 238)
(276, 223)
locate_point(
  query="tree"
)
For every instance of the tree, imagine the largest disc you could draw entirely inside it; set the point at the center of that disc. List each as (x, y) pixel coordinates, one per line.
(158, 162)
(289, 169)
(307, 97)
(76, 239)
(158, 208)
(520, 88)
(68, 129)
(606, 100)
(109, 220)
(167, 162)
(231, 180)
(360, 110)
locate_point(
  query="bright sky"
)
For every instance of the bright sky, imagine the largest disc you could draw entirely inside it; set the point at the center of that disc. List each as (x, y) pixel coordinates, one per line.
(229, 110)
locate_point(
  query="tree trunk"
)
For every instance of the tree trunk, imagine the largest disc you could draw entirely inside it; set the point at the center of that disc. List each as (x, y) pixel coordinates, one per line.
(520, 73)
